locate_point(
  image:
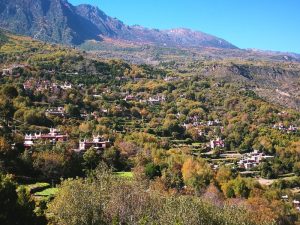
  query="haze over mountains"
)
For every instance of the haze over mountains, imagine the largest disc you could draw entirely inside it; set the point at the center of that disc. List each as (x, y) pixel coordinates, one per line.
(60, 22)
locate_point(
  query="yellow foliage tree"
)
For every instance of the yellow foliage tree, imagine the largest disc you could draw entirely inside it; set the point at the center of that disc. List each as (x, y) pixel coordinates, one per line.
(196, 173)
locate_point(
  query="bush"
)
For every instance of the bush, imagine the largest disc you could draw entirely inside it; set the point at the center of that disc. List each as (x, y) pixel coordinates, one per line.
(152, 170)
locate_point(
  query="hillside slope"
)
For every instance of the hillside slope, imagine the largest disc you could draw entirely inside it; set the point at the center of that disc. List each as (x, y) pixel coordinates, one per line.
(275, 81)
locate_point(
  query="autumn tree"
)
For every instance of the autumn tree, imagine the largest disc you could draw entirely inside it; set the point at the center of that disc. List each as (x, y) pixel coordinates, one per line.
(50, 165)
(4, 146)
(224, 174)
(196, 173)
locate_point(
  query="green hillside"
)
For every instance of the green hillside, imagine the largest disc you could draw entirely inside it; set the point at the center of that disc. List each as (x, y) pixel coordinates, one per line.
(182, 142)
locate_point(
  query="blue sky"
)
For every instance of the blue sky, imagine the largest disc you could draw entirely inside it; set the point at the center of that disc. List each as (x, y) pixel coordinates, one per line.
(261, 24)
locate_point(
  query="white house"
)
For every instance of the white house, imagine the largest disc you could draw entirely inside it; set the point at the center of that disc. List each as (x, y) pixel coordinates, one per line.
(98, 143)
(217, 143)
(253, 159)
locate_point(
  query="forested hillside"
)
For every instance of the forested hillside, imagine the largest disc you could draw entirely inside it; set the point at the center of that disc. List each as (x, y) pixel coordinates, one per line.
(273, 76)
(89, 141)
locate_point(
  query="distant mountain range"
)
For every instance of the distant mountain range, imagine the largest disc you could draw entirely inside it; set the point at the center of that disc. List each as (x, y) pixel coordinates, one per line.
(59, 21)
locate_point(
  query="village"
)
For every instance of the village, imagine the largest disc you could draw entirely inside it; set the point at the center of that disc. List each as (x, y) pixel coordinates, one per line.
(205, 129)
(54, 136)
(246, 163)
(182, 125)
(103, 121)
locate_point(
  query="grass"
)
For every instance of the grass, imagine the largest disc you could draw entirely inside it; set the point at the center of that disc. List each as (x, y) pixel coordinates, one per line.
(32, 188)
(288, 175)
(47, 192)
(195, 144)
(38, 185)
(127, 175)
(41, 191)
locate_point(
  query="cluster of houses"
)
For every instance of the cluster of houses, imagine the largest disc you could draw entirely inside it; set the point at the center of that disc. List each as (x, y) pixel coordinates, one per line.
(52, 137)
(56, 111)
(252, 159)
(130, 98)
(151, 100)
(156, 99)
(215, 122)
(194, 121)
(13, 70)
(296, 204)
(61, 112)
(99, 93)
(42, 85)
(288, 129)
(217, 143)
(95, 115)
(170, 79)
(98, 143)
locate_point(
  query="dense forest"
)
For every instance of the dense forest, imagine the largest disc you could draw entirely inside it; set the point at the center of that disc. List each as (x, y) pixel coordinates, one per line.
(89, 141)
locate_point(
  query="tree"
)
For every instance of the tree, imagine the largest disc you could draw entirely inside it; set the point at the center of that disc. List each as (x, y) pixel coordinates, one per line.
(6, 109)
(78, 203)
(236, 188)
(152, 170)
(213, 195)
(224, 174)
(240, 188)
(27, 207)
(266, 170)
(87, 127)
(228, 189)
(82, 201)
(112, 157)
(269, 211)
(35, 117)
(296, 168)
(104, 199)
(4, 146)
(144, 113)
(49, 164)
(135, 112)
(172, 125)
(16, 207)
(72, 111)
(105, 121)
(91, 159)
(8, 200)
(10, 92)
(196, 173)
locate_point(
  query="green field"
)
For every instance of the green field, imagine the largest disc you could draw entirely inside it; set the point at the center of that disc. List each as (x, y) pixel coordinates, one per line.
(128, 175)
(47, 192)
(41, 191)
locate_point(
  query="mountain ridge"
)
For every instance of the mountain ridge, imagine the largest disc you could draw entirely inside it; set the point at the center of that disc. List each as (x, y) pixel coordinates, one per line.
(59, 21)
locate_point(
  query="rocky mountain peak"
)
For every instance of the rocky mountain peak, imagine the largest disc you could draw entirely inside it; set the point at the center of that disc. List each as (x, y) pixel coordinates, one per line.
(61, 22)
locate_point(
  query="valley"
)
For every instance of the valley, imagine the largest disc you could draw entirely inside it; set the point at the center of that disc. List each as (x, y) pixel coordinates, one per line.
(107, 123)
(63, 111)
